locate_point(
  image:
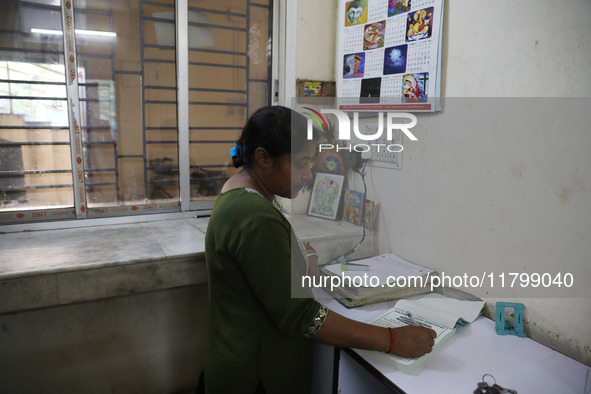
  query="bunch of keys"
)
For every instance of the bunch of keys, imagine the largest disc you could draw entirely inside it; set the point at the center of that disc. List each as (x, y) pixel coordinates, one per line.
(484, 388)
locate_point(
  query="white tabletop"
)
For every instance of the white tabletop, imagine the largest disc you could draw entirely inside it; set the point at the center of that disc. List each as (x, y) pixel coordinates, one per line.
(517, 363)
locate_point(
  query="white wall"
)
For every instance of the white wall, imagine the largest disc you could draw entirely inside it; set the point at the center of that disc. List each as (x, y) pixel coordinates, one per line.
(494, 184)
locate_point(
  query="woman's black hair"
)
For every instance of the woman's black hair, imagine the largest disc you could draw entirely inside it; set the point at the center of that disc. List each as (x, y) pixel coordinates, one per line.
(279, 130)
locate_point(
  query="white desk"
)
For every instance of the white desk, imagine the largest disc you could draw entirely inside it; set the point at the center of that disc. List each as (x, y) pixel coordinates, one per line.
(516, 363)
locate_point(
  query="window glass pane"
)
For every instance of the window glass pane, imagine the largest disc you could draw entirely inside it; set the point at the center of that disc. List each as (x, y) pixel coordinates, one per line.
(234, 8)
(259, 42)
(35, 166)
(228, 80)
(258, 95)
(128, 101)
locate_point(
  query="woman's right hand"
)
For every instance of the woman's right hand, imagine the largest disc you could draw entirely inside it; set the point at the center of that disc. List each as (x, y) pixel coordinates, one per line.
(413, 341)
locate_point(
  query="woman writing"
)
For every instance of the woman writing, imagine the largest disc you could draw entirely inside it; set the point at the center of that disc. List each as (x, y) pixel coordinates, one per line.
(261, 337)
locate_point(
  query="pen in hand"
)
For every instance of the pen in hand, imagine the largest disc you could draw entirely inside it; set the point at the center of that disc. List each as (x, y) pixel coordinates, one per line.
(413, 322)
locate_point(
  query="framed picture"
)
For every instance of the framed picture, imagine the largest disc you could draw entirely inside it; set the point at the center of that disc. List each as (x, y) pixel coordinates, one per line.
(352, 206)
(326, 195)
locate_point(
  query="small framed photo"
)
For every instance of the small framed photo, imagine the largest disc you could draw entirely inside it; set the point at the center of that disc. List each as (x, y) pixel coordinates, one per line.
(326, 195)
(352, 206)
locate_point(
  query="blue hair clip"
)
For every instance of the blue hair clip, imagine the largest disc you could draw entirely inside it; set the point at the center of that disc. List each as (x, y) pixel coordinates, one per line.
(236, 151)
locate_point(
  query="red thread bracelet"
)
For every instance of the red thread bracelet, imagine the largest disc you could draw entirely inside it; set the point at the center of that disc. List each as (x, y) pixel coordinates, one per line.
(391, 340)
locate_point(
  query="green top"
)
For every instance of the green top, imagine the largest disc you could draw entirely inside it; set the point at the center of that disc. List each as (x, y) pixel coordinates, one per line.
(257, 330)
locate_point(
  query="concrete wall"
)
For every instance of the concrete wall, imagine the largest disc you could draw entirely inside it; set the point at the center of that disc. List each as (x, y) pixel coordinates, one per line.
(149, 343)
(108, 308)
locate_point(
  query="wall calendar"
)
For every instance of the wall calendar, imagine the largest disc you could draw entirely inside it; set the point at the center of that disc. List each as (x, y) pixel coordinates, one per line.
(389, 55)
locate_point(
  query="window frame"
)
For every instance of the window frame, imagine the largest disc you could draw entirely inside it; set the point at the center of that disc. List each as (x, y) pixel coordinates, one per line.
(282, 14)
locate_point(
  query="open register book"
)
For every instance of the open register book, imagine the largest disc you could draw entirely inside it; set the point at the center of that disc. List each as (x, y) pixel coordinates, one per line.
(435, 311)
(376, 279)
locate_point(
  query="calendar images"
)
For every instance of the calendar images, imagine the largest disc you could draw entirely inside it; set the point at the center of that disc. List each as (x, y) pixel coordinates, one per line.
(395, 59)
(419, 24)
(354, 65)
(390, 54)
(370, 90)
(415, 87)
(373, 35)
(355, 12)
(396, 7)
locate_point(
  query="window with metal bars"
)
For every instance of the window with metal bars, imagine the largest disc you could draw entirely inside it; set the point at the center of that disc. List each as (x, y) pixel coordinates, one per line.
(135, 142)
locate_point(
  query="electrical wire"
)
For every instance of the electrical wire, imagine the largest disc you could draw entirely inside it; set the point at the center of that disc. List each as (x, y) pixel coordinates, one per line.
(361, 172)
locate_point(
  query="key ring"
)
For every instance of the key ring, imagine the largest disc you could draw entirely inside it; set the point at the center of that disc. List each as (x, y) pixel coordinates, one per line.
(493, 378)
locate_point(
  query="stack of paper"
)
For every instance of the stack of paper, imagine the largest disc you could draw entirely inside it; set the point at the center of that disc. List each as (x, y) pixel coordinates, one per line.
(376, 279)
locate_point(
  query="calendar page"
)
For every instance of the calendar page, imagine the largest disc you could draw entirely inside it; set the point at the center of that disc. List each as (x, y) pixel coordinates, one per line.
(389, 55)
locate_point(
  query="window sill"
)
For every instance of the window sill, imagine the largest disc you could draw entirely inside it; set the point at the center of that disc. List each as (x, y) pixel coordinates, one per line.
(56, 267)
(41, 269)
